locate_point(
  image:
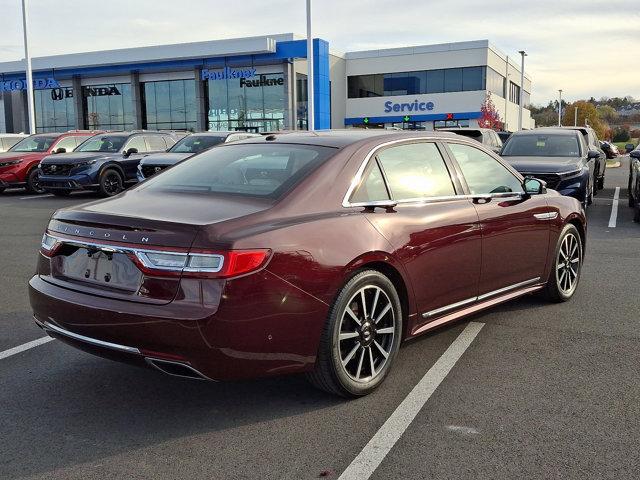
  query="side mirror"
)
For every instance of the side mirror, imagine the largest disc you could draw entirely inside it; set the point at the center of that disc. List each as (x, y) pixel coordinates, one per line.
(593, 154)
(533, 186)
(629, 147)
(635, 154)
(60, 150)
(130, 151)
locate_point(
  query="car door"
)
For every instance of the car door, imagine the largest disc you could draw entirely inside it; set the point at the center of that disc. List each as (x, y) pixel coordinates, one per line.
(434, 231)
(130, 163)
(515, 226)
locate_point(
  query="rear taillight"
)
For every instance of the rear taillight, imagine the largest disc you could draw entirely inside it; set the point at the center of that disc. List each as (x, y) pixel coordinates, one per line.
(172, 262)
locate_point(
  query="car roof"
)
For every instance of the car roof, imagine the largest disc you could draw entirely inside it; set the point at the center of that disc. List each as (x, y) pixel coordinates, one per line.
(583, 130)
(342, 138)
(551, 130)
(464, 129)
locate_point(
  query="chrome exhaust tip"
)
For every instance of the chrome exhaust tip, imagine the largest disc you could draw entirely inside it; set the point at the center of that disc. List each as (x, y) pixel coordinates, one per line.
(176, 369)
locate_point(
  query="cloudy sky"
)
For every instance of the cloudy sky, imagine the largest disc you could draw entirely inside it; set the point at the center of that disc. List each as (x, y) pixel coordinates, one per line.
(586, 47)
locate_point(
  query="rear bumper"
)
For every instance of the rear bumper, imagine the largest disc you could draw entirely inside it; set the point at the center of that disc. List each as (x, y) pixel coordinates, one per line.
(252, 334)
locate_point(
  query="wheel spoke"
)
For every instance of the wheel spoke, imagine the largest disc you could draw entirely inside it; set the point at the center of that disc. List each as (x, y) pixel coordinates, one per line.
(360, 365)
(373, 368)
(375, 303)
(385, 331)
(348, 335)
(351, 354)
(353, 315)
(382, 350)
(363, 300)
(384, 312)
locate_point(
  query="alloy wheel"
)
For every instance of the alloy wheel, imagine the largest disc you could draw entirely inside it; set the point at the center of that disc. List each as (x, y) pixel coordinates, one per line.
(568, 264)
(366, 335)
(112, 183)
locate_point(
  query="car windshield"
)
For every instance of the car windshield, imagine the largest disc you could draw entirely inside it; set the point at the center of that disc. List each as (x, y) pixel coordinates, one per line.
(542, 146)
(196, 143)
(255, 170)
(33, 144)
(103, 143)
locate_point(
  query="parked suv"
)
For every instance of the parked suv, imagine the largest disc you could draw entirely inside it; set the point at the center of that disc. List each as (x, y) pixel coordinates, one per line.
(558, 156)
(105, 163)
(19, 165)
(593, 144)
(486, 136)
(186, 147)
(8, 140)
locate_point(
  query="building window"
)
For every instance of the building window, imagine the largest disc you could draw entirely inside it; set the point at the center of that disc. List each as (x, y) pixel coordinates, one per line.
(514, 93)
(301, 101)
(450, 123)
(254, 104)
(55, 110)
(526, 99)
(417, 82)
(169, 105)
(108, 107)
(495, 82)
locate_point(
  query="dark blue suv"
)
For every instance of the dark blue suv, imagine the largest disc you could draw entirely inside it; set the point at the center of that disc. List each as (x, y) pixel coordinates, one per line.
(105, 163)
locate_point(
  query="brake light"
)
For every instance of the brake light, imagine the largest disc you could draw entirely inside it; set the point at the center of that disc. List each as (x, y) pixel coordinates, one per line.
(240, 262)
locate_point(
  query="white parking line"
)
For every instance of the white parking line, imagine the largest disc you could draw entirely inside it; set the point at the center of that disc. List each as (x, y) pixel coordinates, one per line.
(374, 452)
(33, 197)
(24, 346)
(614, 209)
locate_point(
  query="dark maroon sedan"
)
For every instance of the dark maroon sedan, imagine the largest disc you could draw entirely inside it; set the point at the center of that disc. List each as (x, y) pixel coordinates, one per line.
(305, 252)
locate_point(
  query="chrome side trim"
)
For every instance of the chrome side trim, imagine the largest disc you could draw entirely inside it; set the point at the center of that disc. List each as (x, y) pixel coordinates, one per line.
(445, 309)
(484, 296)
(546, 216)
(49, 327)
(515, 286)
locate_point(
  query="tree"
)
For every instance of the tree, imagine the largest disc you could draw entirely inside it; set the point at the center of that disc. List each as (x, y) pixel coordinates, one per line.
(587, 115)
(608, 113)
(621, 134)
(489, 118)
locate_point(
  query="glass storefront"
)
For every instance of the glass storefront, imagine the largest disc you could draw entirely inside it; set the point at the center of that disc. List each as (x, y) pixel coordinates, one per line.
(108, 107)
(255, 104)
(54, 110)
(169, 105)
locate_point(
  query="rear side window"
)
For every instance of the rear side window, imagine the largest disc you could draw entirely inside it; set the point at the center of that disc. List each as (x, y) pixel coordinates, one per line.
(416, 170)
(483, 173)
(253, 170)
(372, 188)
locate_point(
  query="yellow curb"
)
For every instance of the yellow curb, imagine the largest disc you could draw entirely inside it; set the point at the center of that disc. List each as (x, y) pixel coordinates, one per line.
(615, 164)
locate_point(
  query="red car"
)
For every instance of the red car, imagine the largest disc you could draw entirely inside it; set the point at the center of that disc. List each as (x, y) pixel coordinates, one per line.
(306, 252)
(19, 165)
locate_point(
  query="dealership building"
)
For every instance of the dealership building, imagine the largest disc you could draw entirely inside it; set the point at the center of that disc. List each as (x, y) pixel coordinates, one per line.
(260, 84)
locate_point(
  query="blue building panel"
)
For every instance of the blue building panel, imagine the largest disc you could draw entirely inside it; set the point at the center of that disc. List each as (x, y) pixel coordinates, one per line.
(414, 118)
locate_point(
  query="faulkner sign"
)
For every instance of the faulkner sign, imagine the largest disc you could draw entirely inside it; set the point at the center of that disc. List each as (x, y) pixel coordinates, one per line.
(38, 84)
(246, 76)
(62, 93)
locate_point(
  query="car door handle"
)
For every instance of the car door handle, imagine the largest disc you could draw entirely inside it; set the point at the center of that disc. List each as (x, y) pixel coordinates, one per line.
(481, 199)
(546, 216)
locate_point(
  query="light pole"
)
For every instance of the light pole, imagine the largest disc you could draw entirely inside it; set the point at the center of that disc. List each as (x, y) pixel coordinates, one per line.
(310, 113)
(575, 117)
(30, 102)
(560, 108)
(520, 100)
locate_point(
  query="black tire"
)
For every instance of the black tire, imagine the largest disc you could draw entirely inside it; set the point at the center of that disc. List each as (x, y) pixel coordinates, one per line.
(557, 287)
(632, 202)
(592, 189)
(2, 189)
(366, 340)
(636, 212)
(600, 185)
(33, 185)
(111, 183)
(61, 193)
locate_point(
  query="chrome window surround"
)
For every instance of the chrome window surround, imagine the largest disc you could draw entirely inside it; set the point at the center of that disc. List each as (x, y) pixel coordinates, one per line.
(140, 254)
(479, 298)
(355, 182)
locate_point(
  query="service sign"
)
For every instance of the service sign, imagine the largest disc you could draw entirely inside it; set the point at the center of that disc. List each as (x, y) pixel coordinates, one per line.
(38, 84)
(408, 107)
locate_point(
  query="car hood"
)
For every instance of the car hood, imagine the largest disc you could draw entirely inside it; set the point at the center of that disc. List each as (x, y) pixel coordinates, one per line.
(77, 157)
(164, 158)
(8, 156)
(545, 164)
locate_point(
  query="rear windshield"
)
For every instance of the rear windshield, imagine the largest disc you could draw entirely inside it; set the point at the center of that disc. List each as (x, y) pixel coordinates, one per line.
(196, 143)
(256, 170)
(541, 146)
(33, 144)
(475, 134)
(103, 143)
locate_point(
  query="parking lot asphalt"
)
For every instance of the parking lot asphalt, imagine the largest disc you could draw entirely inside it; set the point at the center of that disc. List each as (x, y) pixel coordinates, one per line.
(543, 391)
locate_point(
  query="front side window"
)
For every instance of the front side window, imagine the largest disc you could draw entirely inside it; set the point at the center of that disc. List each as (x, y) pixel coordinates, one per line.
(103, 143)
(68, 143)
(416, 170)
(251, 170)
(138, 143)
(483, 173)
(33, 144)
(543, 145)
(156, 143)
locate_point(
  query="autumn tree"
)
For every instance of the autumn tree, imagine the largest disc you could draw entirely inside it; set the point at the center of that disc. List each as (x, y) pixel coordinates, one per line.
(489, 118)
(587, 115)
